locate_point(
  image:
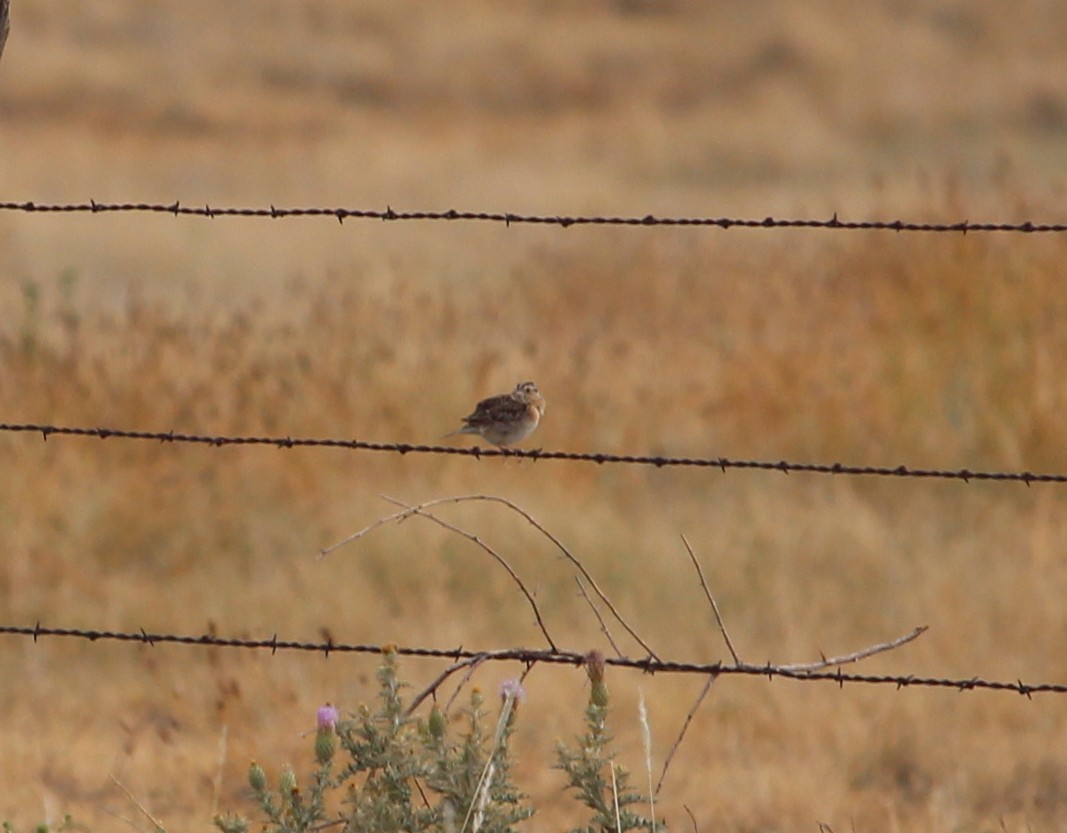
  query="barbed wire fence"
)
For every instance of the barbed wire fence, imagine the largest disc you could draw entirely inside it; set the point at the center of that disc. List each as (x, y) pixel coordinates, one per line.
(534, 656)
(653, 664)
(342, 214)
(825, 669)
(601, 458)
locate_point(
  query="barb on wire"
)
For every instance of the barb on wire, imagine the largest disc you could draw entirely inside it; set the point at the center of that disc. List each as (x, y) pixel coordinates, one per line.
(510, 218)
(659, 461)
(533, 656)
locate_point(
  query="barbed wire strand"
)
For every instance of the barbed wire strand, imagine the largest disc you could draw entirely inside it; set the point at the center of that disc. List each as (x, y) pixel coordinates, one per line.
(659, 461)
(528, 656)
(509, 218)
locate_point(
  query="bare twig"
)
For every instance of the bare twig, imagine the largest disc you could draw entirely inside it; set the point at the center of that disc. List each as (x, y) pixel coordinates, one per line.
(685, 728)
(603, 624)
(692, 818)
(789, 669)
(474, 539)
(466, 679)
(570, 557)
(854, 657)
(711, 598)
(470, 673)
(420, 509)
(397, 516)
(533, 522)
(471, 662)
(156, 823)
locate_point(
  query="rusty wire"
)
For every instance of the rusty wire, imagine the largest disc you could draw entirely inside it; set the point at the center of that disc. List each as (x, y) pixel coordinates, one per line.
(509, 218)
(531, 656)
(659, 461)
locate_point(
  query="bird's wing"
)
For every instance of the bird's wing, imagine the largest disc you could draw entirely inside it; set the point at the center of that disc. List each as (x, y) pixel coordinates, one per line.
(503, 408)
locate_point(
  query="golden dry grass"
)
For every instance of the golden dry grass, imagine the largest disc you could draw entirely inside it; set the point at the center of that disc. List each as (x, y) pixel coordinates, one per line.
(864, 348)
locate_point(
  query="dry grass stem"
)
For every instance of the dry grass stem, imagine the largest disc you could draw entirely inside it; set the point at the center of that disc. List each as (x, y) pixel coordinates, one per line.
(711, 599)
(646, 738)
(156, 823)
(477, 807)
(216, 783)
(615, 797)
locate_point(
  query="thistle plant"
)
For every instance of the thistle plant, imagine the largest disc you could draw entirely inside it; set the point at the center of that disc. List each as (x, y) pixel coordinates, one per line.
(392, 772)
(473, 774)
(399, 773)
(592, 774)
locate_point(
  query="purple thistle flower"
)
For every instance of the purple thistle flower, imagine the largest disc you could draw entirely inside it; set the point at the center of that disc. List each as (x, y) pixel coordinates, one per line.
(327, 717)
(512, 689)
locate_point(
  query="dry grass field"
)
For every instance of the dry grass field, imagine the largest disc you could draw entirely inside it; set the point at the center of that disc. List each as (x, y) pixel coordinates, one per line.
(864, 348)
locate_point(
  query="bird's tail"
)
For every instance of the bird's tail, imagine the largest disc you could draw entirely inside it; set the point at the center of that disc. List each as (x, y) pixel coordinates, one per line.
(466, 429)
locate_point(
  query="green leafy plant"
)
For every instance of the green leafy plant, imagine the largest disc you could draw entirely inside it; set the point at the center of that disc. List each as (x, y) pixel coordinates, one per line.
(592, 774)
(401, 773)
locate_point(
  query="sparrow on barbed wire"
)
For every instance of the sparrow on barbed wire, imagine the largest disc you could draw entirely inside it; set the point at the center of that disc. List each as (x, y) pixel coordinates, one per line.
(506, 419)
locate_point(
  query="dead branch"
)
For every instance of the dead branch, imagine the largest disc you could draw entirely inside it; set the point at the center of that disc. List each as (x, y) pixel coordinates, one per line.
(418, 510)
(412, 510)
(603, 624)
(711, 599)
(438, 681)
(685, 728)
(848, 658)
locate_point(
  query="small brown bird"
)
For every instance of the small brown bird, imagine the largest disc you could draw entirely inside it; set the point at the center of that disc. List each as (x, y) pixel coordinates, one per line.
(506, 419)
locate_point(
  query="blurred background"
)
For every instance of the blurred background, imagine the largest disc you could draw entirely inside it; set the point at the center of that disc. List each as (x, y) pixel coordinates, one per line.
(865, 348)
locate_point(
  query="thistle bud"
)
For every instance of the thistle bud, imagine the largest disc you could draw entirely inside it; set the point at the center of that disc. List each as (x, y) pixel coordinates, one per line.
(325, 746)
(257, 778)
(437, 723)
(287, 783)
(594, 667)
